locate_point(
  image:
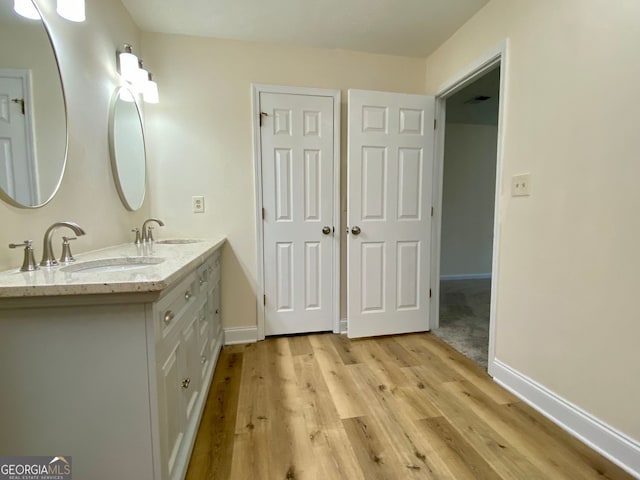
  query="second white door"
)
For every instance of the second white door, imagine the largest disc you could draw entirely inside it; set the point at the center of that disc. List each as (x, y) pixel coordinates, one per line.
(390, 167)
(297, 160)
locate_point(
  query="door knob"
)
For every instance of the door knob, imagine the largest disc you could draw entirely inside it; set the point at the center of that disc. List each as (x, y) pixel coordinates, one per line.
(356, 230)
(326, 230)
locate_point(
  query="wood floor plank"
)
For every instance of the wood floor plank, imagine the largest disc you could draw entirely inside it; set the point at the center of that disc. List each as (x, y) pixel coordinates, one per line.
(345, 349)
(406, 407)
(577, 454)
(464, 462)
(397, 425)
(542, 458)
(331, 446)
(395, 350)
(377, 458)
(212, 452)
(379, 360)
(506, 460)
(545, 451)
(299, 345)
(462, 366)
(348, 401)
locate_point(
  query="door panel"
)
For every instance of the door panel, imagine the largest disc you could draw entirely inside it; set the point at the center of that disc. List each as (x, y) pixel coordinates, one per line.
(17, 163)
(297, 148)
(390, 162)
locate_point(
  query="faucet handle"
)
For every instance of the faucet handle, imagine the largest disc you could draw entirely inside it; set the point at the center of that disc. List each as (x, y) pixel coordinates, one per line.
(150, 234)
(138, 240)
(66, 256)
(26, 243)
(29, 262)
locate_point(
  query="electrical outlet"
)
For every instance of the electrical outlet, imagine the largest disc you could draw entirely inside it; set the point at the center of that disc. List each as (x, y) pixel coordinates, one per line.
(198, 204)
(521, 185)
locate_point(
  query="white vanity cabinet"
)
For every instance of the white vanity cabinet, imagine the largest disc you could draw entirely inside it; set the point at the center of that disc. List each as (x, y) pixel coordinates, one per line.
(188, 338)
(116, 381)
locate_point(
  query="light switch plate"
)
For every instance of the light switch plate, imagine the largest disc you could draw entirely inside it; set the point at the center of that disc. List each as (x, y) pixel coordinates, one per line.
(521, 185)
(198, 204)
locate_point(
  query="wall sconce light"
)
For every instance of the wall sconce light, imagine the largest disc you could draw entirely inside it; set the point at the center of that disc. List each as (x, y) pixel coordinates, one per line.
(132, 71)
(142, 77)
(128, 64)
(150, 93)
(72, 10)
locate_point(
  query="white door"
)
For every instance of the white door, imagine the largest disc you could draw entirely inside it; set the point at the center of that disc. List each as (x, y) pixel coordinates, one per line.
(17, 168)
(390, 163)
(297, 149)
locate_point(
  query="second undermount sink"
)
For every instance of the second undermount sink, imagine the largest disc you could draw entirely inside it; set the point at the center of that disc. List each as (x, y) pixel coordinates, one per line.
(106, 265)
(177, 241)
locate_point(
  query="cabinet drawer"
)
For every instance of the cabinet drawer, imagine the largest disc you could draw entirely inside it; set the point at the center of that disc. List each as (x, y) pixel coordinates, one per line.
(205, 360)
(176, 305)
(209, 272)
(204, 323)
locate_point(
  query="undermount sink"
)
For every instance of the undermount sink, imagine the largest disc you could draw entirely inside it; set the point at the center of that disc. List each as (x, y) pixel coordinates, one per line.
(178, 241)
(106, 265)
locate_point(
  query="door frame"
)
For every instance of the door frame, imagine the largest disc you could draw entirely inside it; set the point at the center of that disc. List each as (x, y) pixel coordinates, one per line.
(257, 89)
(487, 61)
(24, 75)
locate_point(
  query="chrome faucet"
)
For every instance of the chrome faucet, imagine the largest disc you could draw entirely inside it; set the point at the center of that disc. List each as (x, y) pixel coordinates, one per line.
(48, 260)
(147, 235)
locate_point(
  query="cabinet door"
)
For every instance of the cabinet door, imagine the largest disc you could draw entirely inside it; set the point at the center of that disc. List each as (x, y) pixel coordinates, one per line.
(191, 366)
(172, 425)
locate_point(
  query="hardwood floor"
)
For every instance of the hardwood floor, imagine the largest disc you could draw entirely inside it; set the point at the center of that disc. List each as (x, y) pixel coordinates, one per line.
(402, 407)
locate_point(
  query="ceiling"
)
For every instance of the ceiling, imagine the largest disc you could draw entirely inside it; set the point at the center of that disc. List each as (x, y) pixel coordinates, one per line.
(412, 28)
(464, 107)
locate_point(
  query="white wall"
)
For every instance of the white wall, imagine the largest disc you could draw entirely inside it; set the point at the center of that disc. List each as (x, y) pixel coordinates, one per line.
(468, 198)
(87, 194)
(200, 135)
(567, 315)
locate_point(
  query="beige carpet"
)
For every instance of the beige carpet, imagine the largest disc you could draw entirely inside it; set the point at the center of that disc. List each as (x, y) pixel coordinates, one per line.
(464, 317)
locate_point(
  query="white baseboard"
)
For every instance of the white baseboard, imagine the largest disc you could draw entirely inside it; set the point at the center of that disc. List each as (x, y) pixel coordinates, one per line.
(343, 325)
(233, 336)
(609, 442)
(466, 276)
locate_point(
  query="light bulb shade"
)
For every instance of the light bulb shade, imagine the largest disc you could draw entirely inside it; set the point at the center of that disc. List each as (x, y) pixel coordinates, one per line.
(150, 92)
(72, 10)
(128, 66)
(142, 77)
(27, 9)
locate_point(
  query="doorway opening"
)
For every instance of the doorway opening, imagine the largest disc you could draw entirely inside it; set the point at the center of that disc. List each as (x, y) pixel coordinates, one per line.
(468, 207)
(467, 192)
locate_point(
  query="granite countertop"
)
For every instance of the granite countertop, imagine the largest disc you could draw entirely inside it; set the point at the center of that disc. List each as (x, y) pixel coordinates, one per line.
(55, 281)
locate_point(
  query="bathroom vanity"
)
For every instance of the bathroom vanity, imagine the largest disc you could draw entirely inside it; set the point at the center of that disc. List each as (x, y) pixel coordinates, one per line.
(110, 361)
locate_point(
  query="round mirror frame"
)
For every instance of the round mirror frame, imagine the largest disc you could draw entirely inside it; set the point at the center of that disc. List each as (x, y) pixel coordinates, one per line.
(113, 151)
(4, 195)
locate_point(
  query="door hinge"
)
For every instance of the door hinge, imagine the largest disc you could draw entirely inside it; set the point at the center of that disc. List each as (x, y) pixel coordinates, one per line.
(431, 212)
(435, 123)
(261, 115)
(263, 213)
(19, 101)
(264, 299)
(430, 293)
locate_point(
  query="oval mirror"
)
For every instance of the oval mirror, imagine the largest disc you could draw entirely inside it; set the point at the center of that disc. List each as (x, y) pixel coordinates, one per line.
(126, 145)
(33, 116)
